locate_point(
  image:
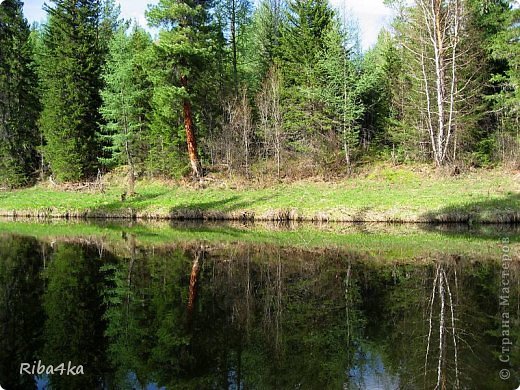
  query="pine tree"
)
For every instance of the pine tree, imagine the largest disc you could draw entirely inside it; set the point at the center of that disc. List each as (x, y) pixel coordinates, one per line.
(183, 50)
(505, 47)
(19, 105)
(384, 87)
(126, 101)
(71, 82)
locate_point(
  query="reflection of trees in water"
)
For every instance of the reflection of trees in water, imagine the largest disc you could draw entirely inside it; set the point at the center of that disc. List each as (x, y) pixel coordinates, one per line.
(21, 313)
(299, 300)
(271, 318)
(438, 324)
(261, 316)
(214, 316)
(194, 281)
(441, 290)
(74, 324)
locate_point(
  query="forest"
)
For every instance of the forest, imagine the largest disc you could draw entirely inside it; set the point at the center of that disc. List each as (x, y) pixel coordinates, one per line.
(279, 88)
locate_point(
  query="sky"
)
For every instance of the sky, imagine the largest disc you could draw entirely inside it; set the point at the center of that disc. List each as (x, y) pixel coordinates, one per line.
(370, 14)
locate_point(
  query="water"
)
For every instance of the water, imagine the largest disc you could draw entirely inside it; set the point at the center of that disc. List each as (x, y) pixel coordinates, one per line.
(241, 308)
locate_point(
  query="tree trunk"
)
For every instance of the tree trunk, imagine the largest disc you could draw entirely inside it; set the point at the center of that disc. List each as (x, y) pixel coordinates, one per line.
(438, 46)
(441, 35)
(190, 133)
(131, 181)
(194, 283)
(131, 170)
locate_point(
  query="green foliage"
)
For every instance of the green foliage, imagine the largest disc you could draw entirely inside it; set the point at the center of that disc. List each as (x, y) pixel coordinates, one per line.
(263, 39)
(126, 98)
(70, 77)
(233, 18)
(302, 42)
(120, 306)
(74, 308)
(505, 48)
(21, 309)
(19, 104)
(484, 150)
(110, 100)
(181, 56)
(341, 88)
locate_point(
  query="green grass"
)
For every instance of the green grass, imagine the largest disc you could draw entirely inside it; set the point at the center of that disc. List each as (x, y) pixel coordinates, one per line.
(387, 242)
(388, 195)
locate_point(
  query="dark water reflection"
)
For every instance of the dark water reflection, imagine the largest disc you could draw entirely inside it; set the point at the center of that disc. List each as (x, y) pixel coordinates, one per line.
(209, 316)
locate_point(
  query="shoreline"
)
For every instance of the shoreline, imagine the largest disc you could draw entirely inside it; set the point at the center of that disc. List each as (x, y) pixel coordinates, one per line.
(283, 215)
(389, 196)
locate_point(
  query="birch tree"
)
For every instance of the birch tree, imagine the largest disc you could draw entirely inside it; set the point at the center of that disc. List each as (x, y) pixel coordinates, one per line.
(435, 35)
(270, 115)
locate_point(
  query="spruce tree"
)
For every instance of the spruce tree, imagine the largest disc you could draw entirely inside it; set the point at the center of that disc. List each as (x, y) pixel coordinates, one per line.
(19, 104)
(234, 17)
(302, 43)
(126, 101)
(341, 93)
(263, 40)
(71, 82)
(505, 99)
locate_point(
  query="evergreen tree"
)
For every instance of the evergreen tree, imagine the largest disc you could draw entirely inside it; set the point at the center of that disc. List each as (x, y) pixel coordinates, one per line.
(484, 21)
(302, 42)
(380, 88)
(183, 50)
(341, 92)
(110, 21)
(71, 82)
(126, 101)
(505, 49)
(234, 18)
(19, 105)
(262, 38)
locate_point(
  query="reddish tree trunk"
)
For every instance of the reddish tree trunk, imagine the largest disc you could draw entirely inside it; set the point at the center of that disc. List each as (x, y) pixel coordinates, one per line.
(193, 289)
(190, 133)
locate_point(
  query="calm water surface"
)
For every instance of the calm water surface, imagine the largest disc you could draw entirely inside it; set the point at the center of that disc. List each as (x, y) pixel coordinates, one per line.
(242, 315)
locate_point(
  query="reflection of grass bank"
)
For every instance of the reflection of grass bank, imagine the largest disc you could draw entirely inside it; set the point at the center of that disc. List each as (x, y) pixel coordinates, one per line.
(397, 242)
(405, 196)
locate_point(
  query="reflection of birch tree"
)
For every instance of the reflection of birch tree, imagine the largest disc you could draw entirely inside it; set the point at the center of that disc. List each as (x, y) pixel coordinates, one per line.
(441, 294)
(273, 302)
(348, 299)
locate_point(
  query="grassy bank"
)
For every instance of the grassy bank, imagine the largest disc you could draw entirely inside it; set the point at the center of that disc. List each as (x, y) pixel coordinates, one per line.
(381, 241)
(384, 195)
